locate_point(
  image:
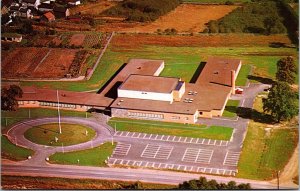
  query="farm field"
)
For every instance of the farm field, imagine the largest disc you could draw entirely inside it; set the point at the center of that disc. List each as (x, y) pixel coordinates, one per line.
(185, 18)
(37, 63)
(92, 8)
(182, 55)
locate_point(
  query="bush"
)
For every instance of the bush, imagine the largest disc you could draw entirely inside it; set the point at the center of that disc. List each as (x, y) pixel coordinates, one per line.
(142, 10)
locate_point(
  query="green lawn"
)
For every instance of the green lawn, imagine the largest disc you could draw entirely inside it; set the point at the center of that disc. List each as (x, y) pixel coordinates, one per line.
(243, 75)
(176, 129)
(263, 155)
(72, 134)
(90, 157)
(230, 108)
(179, 62)
(11, 117)
(13, 152)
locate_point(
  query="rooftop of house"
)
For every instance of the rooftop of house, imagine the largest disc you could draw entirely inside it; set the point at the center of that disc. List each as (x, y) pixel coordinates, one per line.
(149, 83)
(50, 95)
(12, 35)
(49, 15)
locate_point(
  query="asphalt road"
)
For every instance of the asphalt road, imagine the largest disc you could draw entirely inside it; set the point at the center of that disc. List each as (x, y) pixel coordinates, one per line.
(154, 176)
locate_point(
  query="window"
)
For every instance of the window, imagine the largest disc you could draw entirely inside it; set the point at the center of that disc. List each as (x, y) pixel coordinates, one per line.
(201, 113)
(20, 102)
(145, 115)
(186, 118)
(175, 117)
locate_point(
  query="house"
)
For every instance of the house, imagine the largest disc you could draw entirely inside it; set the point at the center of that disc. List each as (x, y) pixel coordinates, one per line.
(74, 2)
(11, 37)
(61, 12)
(25, 13)
(47, 17)
(32, 3)
(44, 7)
(4, 10)
(14, 11)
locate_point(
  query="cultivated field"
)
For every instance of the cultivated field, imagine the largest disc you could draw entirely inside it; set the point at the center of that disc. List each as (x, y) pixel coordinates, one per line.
(92, 8)
(37, 63)
(185, 18)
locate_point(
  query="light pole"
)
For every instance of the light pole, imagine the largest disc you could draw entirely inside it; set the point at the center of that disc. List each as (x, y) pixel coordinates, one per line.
(59, 125)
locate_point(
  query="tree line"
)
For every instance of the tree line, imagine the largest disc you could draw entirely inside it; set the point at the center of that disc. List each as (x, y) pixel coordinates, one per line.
(142, 10)
(263, 17)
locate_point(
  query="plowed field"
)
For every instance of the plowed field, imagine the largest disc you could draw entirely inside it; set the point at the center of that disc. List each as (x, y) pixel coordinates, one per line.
(37, 63)
(185, 18)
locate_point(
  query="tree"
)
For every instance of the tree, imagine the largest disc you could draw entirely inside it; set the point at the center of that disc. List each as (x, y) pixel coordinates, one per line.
(203, 184)
(27, 27)
(8, 97)
(281, 102)
(286, 70)
(269, 23)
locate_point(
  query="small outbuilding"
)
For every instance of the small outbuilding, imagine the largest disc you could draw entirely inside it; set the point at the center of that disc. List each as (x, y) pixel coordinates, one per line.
(48, 17)
(11, 37)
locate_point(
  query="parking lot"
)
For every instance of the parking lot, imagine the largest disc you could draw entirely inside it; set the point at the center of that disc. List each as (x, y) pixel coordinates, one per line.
(180, 156)
(170, 138)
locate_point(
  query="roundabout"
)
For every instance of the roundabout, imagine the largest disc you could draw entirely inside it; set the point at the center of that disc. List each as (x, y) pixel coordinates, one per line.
(48, 134)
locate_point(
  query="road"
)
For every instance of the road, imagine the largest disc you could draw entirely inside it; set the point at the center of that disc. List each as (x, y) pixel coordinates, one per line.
(154, 176)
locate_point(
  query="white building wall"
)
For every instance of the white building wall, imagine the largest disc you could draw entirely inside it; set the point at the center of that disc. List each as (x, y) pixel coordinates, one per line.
(145, 95)
(160, 69)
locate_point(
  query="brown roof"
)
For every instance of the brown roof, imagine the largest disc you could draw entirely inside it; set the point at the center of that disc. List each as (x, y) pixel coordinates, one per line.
(81, 98)
(134, 66)
(218, 71)
(49, 16)
(150, 84)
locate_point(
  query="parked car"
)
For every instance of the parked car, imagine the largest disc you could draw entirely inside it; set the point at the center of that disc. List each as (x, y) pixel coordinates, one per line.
(239, 91)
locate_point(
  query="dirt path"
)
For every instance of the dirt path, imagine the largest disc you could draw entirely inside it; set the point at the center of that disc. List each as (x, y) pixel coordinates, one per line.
(290, 170)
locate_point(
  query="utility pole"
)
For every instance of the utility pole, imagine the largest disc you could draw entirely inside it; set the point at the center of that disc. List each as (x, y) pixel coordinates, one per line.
(59, 125)
(278, 179)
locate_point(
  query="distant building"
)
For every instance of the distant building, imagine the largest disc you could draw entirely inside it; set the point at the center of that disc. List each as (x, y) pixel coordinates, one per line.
(61, 12)
(25, 13)
(11, 37)
(74, 2)
(32, 3)
(44, 7)
(48, 17)
(138, 92)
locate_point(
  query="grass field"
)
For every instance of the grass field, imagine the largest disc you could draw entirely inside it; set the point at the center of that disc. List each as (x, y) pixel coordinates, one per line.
(243, 75)
(50, 183)
(10, 117)
(72, 134)
(13, 152)
(262, 154)
(180, 61)
(230, 108)
(176, 129)
(90, 157)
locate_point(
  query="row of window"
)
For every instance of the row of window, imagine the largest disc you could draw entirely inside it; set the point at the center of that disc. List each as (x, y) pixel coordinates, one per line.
(146, 115)
(60, 105)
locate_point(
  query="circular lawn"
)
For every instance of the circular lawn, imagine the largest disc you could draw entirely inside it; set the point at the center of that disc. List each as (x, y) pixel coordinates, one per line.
(48, 134)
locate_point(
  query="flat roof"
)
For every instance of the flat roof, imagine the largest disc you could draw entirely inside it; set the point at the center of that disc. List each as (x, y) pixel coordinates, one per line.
(134, 66)
(155, 84)
(218, 70)
(50, 95)
(203, 98)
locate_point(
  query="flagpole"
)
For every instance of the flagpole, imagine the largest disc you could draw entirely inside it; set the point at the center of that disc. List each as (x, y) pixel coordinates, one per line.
(59, 125)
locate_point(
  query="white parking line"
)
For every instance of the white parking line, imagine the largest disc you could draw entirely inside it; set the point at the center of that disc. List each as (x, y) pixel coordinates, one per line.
(127, 134)
(231, 158)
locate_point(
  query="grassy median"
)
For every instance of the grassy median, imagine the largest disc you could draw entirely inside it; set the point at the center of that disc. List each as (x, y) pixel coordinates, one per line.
(72, 134)
(89, 157)
(13, 152)
(176, 129)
